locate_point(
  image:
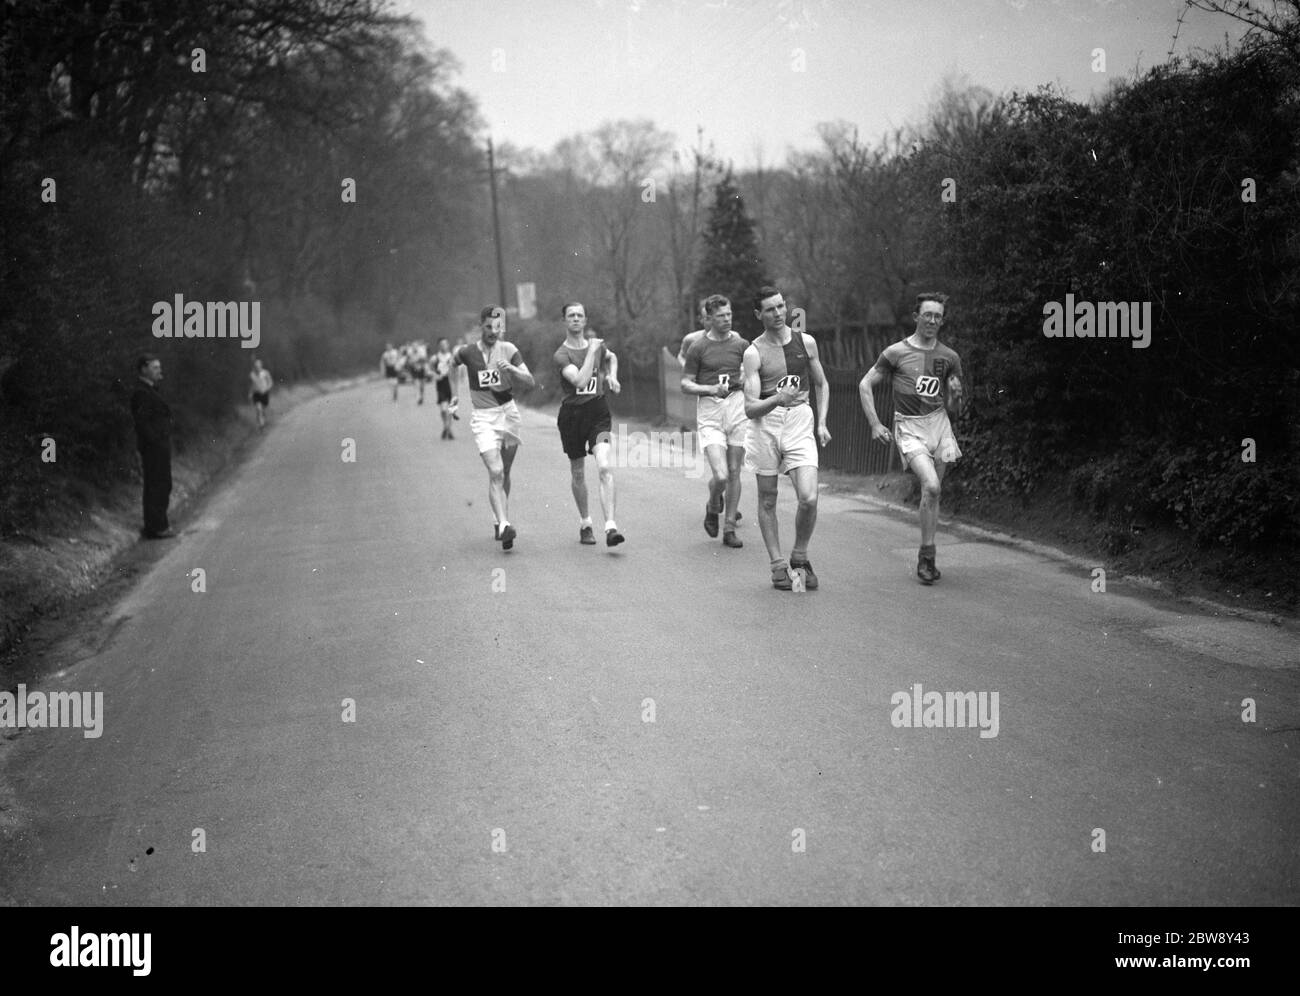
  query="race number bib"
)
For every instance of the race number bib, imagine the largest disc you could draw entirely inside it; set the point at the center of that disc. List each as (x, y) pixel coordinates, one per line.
(725, 380)
(927, 387)
(489, 378)
(789, 380)
(589, 389)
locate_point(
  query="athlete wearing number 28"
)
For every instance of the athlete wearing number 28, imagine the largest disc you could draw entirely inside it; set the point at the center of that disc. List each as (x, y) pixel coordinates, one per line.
(494, 367)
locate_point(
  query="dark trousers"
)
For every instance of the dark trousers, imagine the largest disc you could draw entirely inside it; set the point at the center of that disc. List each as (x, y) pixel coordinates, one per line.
(156, 467)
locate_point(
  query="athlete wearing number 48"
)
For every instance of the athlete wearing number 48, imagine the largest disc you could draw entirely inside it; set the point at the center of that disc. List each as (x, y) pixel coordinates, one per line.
(926, 377)
(778, 369)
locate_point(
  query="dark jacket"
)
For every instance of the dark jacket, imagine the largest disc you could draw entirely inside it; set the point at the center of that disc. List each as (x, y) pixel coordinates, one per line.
(153, 417)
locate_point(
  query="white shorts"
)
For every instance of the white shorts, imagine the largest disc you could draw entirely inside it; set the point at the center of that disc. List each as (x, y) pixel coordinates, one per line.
(721, 421)
(495, 426)
(930, 434)
(780, 441)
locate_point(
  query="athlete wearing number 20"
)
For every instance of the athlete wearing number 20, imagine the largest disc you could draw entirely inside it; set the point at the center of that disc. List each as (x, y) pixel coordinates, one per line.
(587, 367)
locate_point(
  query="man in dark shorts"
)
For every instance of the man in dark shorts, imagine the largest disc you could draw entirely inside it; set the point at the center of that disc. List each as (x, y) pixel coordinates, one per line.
(260, 391)
(441, 363)
(587, 367)
(494, 367)
(779, 367)
(926, 377)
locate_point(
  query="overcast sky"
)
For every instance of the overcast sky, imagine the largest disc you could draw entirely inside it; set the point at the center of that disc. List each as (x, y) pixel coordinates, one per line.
(545, 69)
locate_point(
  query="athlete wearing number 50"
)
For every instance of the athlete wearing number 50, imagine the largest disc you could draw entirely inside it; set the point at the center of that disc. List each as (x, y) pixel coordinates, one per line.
(494, 367)
(778, 368)
(712, 374)
(587, 367)
(926, 377)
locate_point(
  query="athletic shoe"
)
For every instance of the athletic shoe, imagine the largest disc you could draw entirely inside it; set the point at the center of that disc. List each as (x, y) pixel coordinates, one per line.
(710, 520)
(781, 579)
(508, 537)
(420, 402)
(926, 571)
(613, 537)
(809, 578)
(729, 538)
(586, 537)
(739, 515)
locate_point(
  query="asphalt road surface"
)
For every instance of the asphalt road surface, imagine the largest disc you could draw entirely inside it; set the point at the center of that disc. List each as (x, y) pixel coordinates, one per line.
(653, 724)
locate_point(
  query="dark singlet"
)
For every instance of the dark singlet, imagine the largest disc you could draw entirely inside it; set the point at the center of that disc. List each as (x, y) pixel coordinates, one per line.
(779, 366)
(595, 386)
(487, 387)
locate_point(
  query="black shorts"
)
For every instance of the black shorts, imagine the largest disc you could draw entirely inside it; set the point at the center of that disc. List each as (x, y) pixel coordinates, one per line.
(581, 427)
(262, 398)
(390, 372)
(443, 385)
(418, 373)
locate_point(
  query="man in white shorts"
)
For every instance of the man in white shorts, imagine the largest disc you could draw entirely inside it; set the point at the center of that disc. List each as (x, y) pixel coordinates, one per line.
(926, 377)
(494, 366)
(778, 368)
(713, 374)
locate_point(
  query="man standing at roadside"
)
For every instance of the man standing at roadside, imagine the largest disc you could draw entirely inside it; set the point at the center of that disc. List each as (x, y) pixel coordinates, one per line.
(926, 377)
(153, 436)
(779, 367)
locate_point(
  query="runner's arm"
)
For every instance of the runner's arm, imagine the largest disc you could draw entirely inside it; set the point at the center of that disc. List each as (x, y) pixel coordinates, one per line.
(687, 342)
(821, 386)
(867, 395)
(520, 372)
(755, 407)
(577, 376)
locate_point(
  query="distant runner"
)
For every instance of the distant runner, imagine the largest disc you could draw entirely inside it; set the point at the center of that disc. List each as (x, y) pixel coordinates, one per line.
(260, 393)
(441, 364)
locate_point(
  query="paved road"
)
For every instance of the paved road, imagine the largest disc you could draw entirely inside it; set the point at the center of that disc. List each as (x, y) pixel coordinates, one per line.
(501, 750)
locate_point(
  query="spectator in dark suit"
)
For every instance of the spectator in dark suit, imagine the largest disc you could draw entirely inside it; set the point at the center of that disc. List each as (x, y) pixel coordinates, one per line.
(153, 433)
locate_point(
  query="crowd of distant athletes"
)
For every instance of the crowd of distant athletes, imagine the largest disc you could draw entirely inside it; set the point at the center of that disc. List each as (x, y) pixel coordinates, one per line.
(754, 412)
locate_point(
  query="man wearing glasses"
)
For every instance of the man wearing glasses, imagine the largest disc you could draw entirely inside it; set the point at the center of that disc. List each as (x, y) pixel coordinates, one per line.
(926, 377)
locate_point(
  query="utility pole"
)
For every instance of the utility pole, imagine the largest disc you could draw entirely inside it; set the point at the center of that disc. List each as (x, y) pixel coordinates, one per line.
(496, 225)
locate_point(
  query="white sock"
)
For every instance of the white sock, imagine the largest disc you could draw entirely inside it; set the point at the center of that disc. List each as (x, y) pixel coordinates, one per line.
(503, 523)
(585, 523)
(609, 524)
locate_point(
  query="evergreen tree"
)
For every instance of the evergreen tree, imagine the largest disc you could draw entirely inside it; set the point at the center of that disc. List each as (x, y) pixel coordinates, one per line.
(731, 264)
